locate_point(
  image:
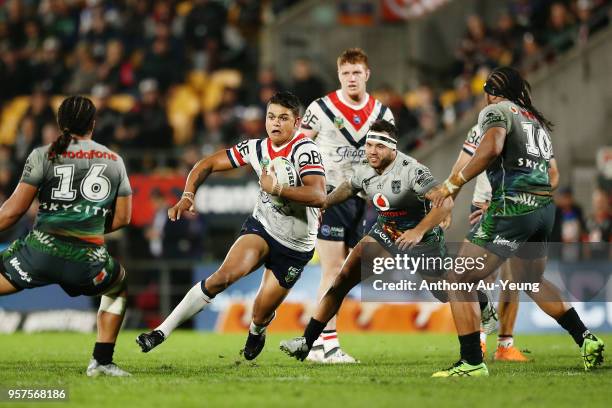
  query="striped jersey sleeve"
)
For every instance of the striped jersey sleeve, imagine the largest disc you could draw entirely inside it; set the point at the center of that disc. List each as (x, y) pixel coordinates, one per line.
(307, 160)
(239, 155)
(472, 140)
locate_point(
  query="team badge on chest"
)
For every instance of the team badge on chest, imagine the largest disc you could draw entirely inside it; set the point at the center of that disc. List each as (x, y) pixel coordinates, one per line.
(381, 202)
(356, 120)
(396, 186)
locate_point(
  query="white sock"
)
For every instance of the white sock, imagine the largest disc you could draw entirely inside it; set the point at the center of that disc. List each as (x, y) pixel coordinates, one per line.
(330, 340)
(506, 341)
(194, 301)
(257, 330)
(483, 337)
(318, 342)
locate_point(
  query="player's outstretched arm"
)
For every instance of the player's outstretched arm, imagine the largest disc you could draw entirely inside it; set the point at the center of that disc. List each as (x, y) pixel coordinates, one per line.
(490, 147)
(311, 193)
(412, 237)
(122, 213)
(219, 161)
(17, 204)
(340, 194)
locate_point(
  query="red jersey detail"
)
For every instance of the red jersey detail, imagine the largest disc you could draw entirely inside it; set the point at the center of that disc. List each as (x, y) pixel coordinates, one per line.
(238, 156)
(284, 152)
(357, 118)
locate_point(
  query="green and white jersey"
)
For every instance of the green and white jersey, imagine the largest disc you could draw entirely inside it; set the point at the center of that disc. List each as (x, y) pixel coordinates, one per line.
(399, 193)
(522, 168)
(77, 191)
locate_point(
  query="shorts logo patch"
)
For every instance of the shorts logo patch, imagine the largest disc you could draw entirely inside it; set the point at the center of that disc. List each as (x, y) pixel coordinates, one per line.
(292, 274)
(396, 186)
(381, 202)
(505, 242)
(325, 230)
(23, 274)
(100, 277)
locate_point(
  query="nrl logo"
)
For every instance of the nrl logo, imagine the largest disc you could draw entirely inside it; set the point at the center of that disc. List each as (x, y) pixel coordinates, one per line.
(292, 274)
(339, 122)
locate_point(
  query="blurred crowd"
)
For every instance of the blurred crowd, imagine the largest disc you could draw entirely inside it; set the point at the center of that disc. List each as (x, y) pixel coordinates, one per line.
(176, 79)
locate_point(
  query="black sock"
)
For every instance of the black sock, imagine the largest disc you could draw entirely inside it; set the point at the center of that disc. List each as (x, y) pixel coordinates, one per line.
(470, 348)
(313, 331)
(571, 322)
(205, 291)
(103, 353)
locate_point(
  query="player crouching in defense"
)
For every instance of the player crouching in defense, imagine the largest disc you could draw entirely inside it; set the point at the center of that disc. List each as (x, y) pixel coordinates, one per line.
(396, 183)
(280, 234)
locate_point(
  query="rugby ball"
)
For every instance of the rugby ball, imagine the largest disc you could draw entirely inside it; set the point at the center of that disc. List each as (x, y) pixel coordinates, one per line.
(286, 175)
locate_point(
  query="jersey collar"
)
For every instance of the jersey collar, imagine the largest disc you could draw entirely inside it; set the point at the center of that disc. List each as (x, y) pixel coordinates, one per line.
(350, 105)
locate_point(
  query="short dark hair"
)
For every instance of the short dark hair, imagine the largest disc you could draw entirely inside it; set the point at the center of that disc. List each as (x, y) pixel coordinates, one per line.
(382, 125)
(287, 100)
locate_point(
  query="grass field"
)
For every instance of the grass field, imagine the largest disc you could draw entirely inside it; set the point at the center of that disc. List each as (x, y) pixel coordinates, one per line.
(196, 369)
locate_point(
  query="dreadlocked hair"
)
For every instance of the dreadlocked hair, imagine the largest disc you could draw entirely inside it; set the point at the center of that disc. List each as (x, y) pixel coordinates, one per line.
(75, 117)
(508, 83)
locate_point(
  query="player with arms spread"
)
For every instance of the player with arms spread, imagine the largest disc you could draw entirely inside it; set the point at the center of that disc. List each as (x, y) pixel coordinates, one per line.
(279, 235)
(400, 188)
(338, 122)
(84, 192)
(516, 151)
(508, 300)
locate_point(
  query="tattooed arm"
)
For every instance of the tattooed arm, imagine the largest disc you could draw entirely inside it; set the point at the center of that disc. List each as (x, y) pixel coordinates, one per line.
(340, 194)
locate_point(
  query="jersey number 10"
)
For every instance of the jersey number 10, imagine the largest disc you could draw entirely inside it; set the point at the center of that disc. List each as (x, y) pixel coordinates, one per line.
(543, 147)
(95, 186)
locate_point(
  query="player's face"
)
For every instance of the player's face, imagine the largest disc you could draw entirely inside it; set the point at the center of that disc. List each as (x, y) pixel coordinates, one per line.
(280, 123)
(379, 156)
(353, 78)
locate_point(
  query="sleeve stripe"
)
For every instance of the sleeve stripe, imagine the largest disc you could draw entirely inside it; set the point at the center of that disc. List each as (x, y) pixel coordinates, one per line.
(312, 173)
(470, 152)
(231, 159)
(238, 156)
(312, 167)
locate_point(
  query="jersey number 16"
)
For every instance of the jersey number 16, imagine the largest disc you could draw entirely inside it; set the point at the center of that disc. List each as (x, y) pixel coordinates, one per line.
(95, 186)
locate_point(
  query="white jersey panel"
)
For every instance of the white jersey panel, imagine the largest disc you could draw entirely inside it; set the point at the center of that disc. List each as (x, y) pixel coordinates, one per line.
(341, 130)
(292, 225)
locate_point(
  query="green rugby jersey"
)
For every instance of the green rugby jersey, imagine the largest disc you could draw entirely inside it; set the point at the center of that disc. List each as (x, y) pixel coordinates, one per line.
(522, 167)
(77, 191)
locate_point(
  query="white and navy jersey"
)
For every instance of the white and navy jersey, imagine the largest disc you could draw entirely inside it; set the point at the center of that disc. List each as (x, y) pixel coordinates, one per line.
(482, 191)
(341, 130)
(292, 225)
(398, 193)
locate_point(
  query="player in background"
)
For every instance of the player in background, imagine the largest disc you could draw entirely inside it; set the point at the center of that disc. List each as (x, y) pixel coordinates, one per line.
(509, 300)
(84, 192)
(516, 151)
(338, 122)
(280, 237)
(399, 188)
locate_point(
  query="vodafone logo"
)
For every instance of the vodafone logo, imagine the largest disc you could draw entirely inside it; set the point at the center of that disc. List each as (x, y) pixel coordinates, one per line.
(381, 202)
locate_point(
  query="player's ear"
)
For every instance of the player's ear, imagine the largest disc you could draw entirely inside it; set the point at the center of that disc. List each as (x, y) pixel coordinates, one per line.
(367, 74)
(297, 122)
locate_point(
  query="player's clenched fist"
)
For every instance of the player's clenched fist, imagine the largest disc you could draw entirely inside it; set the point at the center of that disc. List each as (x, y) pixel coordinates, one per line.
(184, 204)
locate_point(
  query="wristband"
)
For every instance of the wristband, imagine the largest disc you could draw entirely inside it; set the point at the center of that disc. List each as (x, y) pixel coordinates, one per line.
(189, 196)
(450, 186)
(277, 188)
